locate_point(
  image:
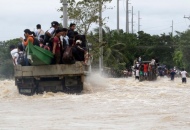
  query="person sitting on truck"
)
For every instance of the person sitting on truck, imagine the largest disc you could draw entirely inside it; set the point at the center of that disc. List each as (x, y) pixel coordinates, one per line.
(68, 54)
(57, 46)
(29, 37)
(20, 55)
(79, 51)
(46, 47)
(13, 52)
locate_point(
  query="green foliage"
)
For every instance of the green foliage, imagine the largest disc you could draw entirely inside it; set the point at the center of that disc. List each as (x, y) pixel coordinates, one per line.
(6, 66)
(123, 48)
(84, 13)
(181, 55)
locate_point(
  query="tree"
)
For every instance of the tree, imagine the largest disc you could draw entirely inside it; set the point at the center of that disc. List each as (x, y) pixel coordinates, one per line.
(6, 64)
(84, 13)
(181, 54)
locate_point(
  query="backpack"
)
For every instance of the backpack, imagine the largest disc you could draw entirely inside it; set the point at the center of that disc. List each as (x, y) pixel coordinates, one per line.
(21, 59)
(36, 42)
(68, 57)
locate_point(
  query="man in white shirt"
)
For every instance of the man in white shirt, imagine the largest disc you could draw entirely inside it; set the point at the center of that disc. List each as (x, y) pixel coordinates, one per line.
(183, 76)
(13, 52)
(137, 73)
(65, 31)
(39, 31)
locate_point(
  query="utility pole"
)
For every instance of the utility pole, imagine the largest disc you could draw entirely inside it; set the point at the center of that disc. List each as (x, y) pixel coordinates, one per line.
(139, 24)
(132, 22)
(187, 17)
(172, 27)
(118, 16)
(65, 16)
(100, 37)
(127, 16)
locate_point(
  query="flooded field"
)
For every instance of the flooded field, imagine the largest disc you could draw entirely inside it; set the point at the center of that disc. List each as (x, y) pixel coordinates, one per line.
(105, 104)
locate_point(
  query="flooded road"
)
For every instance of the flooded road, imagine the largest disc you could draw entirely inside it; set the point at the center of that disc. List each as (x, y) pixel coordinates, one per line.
(106, 104)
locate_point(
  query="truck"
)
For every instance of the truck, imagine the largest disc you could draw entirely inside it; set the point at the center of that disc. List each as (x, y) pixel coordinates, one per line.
(42, 76)
(152, 73)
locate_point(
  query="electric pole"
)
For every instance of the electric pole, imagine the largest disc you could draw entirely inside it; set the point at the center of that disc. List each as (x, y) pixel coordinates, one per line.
(100, 37)
(118, 16)
(132, 22)
(127, 16)
(187, 17)
(139, 24)
(65, 16)
(172, 27)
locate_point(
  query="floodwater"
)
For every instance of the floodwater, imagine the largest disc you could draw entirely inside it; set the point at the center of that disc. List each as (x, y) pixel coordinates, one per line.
(105, 104)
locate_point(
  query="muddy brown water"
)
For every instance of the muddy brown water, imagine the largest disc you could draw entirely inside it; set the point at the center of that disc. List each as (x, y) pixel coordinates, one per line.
(105, 104)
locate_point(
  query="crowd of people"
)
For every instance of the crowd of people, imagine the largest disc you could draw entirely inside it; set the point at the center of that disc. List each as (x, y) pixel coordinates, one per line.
(66, 45)
(148, 70)
(145, 70)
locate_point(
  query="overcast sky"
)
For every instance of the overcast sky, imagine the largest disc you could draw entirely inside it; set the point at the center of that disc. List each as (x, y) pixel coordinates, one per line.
(156, 15)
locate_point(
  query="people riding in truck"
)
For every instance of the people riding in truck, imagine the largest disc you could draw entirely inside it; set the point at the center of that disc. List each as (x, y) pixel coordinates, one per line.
(71, 31)
(49, 34)
(28, 36)
(57, 45)
(39, 32)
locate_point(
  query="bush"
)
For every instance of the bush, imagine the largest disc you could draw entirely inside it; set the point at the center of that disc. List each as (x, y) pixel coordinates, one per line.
(7, 69)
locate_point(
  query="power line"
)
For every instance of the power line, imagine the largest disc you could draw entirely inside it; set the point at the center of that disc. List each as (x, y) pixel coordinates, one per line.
(188, 17)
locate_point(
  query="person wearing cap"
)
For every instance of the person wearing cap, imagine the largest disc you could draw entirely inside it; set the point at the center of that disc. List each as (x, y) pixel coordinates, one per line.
(39, 31)
(49, 34)
(79, 51)
(81, 54)
(54, 27)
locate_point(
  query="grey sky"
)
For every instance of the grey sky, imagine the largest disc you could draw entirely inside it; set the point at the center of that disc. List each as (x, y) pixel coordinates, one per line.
(157, 15)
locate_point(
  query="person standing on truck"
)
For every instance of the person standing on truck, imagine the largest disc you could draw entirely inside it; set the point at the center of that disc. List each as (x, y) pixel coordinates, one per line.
(39, 31)
(49, 34)
(184, 75)
(145, 71)
(71, 31)
(57, 46)
(64, 38)
(29, 37)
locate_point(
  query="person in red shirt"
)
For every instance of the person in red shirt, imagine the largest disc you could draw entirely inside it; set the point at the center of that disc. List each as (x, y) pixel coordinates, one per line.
(145, 70)
(57, 46)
